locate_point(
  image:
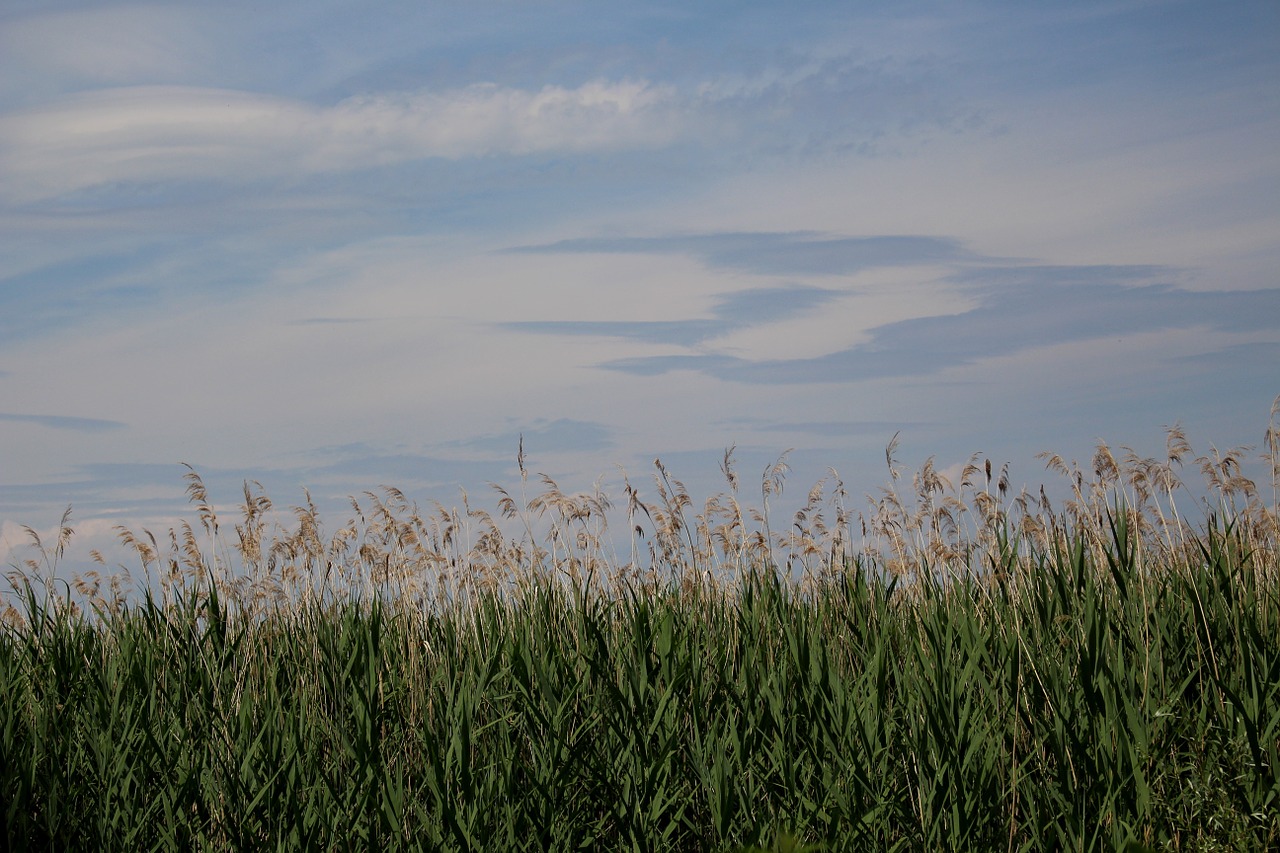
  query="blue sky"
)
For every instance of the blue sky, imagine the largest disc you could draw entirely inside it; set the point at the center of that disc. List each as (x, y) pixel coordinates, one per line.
(337, 245)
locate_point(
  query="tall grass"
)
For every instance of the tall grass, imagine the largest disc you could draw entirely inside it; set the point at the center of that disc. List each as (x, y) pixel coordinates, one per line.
(976, 670)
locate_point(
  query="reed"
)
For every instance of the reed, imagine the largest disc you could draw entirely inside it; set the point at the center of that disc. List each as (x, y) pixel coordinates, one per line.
(953, 667)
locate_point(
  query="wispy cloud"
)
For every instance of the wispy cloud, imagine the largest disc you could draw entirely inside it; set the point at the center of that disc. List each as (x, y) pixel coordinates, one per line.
(772, 253)
(827, 429)
(163, 133)
(330, 321)
(1259, 357)
(730, 312)
(1018, 309)
(543, 436)
(64, 422)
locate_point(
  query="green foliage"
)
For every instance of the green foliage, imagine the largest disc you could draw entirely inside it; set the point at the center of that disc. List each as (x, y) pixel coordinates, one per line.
(984, 674)
(1080, 704)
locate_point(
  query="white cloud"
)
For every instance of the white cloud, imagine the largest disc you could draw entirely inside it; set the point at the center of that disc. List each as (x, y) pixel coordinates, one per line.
(158, 133)
(489, 119)
(875, 298)
(1051, 187)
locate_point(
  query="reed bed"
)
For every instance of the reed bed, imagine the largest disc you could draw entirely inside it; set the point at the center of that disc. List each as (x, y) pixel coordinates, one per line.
(952, 667)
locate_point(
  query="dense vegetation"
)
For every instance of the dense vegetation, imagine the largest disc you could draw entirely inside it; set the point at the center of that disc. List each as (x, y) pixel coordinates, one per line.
(1102, 677)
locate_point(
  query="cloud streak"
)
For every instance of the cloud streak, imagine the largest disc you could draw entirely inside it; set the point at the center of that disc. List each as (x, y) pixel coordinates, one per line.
(165, 133)
(772, 253)
(64, 422)
(1018, 310)
(731, 312)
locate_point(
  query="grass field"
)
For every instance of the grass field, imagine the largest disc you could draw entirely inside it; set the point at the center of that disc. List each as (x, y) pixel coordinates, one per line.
(955, 667)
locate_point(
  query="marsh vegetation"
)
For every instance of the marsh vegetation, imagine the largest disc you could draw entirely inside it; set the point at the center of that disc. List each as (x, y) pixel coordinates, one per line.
(955, 666)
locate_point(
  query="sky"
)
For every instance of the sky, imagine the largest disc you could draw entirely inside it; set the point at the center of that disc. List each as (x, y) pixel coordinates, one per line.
(337, 245)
